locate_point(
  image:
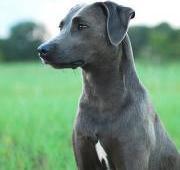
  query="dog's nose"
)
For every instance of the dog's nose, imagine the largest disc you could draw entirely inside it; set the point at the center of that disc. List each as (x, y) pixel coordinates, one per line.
(43, 49)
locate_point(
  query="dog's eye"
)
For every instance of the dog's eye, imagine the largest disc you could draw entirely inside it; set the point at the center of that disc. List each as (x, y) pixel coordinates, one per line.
(82, 26)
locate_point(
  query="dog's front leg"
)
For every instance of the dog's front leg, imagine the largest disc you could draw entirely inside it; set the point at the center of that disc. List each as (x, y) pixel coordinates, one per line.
(85, 154)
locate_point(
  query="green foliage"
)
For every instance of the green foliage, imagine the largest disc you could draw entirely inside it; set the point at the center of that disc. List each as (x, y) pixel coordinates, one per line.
(1, 51)
(139, 38)
(38, 107)
(159, 43)
(23, 41)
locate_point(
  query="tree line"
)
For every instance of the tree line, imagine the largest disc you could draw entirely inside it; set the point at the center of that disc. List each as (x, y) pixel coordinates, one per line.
(159, 43)
(22, 42)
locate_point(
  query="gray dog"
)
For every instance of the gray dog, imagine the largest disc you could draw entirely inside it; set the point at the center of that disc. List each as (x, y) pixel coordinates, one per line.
(116, 127)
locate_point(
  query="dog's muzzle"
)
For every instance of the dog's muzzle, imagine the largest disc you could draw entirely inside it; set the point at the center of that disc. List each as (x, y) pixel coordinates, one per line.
(46, 58)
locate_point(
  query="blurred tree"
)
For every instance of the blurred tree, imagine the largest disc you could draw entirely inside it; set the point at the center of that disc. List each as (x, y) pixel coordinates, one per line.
(22, 43)
(1, 53)
(139, 38)
(160, 40)
(159, 43)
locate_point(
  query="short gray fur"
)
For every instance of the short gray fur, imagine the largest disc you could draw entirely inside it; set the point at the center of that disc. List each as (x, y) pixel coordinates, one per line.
(114, 107)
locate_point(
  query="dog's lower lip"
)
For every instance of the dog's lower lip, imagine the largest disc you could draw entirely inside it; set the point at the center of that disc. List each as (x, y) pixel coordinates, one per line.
(73, 64)
(78, 62)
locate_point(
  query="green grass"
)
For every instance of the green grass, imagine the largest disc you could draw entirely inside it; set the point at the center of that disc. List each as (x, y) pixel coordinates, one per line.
(38, 107)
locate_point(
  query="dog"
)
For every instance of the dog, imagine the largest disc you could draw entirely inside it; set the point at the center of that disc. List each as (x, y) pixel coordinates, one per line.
(116, 127)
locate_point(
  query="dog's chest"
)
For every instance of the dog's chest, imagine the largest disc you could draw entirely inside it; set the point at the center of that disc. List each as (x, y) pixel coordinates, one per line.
(102, 155)
(98, 132)
(95, 121)
(92, 126)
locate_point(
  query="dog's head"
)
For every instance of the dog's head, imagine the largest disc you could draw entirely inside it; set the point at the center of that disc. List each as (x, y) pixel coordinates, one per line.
(87, 34)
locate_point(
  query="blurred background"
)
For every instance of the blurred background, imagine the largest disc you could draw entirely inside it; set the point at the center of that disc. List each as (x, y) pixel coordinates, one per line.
(36, 110)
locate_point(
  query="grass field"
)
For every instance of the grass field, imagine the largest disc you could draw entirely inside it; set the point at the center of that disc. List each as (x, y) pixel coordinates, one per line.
(38, 106)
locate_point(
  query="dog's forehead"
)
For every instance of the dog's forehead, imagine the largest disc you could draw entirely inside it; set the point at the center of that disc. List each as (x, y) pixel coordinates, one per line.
(73, 11)
(86, 11)
(91, 11)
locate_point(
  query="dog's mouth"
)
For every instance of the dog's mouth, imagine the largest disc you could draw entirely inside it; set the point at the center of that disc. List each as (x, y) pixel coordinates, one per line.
(59, 65)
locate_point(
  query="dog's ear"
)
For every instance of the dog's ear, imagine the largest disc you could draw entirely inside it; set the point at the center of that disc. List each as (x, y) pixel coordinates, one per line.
(118, 18)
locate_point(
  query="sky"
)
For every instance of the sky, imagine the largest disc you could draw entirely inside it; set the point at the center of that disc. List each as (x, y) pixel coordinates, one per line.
(50, 12)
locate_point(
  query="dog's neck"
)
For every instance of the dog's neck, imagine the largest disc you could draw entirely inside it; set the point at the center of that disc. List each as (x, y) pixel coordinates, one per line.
(115, 81)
